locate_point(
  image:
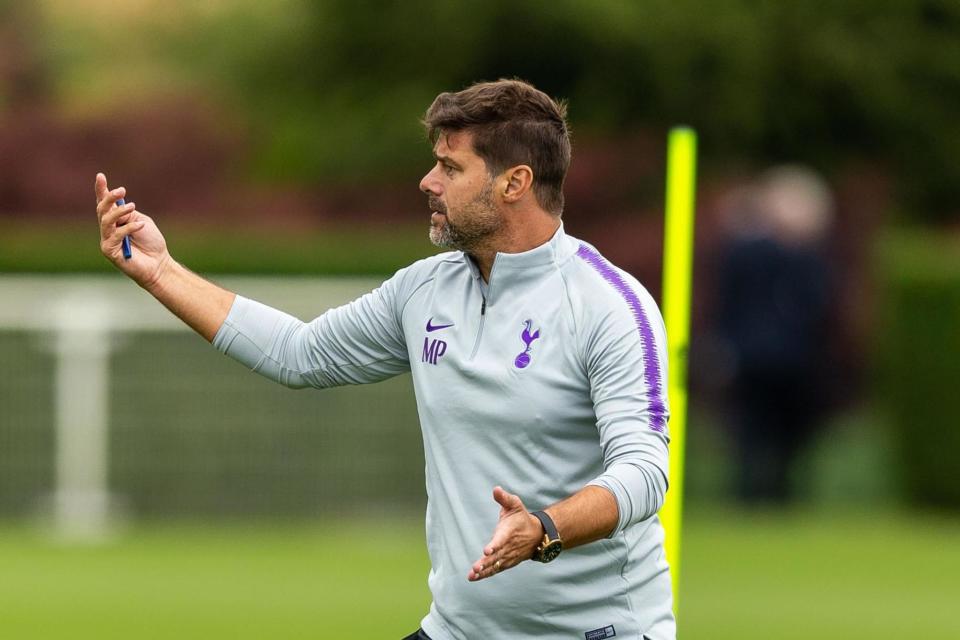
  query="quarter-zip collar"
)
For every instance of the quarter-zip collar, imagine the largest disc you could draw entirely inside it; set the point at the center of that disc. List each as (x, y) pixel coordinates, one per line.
(518, 269)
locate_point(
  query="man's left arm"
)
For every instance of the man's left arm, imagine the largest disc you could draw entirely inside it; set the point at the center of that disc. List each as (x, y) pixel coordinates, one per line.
(627, 373)
(589, 514)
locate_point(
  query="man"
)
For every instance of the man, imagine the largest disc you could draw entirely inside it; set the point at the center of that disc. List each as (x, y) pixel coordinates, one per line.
(774, 320)
(539, 371)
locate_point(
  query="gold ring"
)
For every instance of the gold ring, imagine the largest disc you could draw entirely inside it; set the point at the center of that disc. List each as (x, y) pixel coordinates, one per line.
(496, 565)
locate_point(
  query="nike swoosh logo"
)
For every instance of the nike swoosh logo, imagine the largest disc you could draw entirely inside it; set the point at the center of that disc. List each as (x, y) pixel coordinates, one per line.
(436, 327)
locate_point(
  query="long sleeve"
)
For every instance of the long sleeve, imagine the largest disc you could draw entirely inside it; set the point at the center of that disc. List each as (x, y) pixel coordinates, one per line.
(626, 363)
(356, 343)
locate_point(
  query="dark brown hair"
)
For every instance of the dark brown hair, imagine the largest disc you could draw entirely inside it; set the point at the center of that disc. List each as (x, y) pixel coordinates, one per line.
(512, 123)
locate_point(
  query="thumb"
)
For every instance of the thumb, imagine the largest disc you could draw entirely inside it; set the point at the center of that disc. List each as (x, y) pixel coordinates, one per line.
(506, 500)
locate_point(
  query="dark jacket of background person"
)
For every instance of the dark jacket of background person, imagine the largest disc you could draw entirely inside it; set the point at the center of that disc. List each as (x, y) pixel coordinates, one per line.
(774, 294)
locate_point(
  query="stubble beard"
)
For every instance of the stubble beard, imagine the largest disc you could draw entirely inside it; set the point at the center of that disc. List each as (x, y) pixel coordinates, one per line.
(478, 222)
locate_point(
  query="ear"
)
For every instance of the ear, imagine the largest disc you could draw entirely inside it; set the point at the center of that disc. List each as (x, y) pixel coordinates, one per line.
(517, 182)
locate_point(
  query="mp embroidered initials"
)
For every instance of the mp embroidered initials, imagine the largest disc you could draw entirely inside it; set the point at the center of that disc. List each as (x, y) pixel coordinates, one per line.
(433, 350)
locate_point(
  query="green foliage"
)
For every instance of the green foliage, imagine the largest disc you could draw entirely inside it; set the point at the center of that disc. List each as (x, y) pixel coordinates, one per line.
(337, 84)
(919, 352)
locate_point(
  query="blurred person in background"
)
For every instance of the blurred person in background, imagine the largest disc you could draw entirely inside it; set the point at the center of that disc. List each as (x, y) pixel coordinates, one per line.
(774, 296)
(537, 365)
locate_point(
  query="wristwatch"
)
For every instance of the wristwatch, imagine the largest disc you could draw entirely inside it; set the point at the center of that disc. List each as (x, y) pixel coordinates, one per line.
(552, 545)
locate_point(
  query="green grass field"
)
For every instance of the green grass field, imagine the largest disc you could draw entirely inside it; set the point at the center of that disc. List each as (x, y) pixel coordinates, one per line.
(782, 576)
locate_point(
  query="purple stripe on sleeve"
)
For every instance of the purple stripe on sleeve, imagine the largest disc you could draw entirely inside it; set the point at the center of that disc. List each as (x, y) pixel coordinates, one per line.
(651, 364)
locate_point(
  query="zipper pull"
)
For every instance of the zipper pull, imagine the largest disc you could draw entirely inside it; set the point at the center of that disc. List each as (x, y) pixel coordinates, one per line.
(483, 306)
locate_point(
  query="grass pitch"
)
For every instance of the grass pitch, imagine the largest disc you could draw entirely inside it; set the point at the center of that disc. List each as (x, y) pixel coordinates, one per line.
(771, 576)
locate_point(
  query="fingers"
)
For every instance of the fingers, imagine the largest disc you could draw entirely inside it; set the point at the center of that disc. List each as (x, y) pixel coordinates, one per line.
(497, 546)
(116, 216)
(131, 216)
(127, 217)
(509, 546)
(108, 200)
(492, 564)
(492, 561)
(110, 245)
(501, 540)
(512, 539)
(127, 230)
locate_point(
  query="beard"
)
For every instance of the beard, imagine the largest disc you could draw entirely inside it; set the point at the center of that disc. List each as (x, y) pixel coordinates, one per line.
(478, 221)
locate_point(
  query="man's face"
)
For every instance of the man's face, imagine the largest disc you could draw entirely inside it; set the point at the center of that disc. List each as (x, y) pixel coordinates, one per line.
(460, 196)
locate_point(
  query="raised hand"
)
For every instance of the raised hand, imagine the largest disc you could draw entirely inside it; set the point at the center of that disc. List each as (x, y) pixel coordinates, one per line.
(150, 256)
(514, 540)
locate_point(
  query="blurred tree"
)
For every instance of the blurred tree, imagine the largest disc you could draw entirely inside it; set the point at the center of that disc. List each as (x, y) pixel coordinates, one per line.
(917, 351)
(331, 85)
(24, 73)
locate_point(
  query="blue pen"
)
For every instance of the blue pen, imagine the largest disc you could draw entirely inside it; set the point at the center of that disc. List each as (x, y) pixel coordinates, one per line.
(125, 245)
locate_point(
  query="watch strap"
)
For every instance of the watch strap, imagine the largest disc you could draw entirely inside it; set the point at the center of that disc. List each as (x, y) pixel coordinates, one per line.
(548, 526)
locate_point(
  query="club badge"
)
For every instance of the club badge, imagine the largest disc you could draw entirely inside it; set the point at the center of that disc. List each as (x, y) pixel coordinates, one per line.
(522, 361)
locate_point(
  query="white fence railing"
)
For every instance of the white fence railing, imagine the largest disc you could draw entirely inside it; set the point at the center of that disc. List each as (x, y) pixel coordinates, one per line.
(82, 320)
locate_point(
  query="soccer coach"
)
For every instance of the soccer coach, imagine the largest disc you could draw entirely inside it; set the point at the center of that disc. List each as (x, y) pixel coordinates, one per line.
(539, 370)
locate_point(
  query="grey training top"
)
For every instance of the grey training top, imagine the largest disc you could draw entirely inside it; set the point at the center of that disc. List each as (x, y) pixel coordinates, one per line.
(549, 377)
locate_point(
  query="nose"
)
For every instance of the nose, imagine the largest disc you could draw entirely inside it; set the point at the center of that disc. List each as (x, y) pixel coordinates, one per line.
(430, 184)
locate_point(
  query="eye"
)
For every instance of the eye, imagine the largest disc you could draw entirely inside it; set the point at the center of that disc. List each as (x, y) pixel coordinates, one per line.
(447, 169)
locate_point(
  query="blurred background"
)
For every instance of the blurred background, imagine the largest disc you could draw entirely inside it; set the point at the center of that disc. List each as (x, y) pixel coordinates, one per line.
(150, 487)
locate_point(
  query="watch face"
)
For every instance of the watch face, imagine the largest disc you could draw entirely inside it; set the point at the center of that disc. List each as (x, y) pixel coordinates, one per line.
(551, 551)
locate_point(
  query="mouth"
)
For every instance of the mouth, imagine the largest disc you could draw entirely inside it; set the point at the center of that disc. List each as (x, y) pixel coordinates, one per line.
(436, 206)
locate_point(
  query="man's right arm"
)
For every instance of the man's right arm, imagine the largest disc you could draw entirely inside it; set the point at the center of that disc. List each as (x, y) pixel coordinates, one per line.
(202, 305)
(357, 343)
(199, 303)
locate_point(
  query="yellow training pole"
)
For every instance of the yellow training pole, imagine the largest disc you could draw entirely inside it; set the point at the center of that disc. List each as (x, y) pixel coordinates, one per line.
(677, 284)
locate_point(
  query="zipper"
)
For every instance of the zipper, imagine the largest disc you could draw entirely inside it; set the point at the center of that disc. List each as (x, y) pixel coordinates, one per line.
(483, 311)
(483, 315)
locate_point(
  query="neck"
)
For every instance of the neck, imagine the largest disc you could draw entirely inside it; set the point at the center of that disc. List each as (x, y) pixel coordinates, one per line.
(515, 240)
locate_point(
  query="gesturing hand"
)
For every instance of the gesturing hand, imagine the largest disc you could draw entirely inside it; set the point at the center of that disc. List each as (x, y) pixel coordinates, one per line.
(514, 540)
(150, 249)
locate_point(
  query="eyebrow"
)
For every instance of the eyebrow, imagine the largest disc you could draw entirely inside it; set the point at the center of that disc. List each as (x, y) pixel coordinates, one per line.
(447, 159)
